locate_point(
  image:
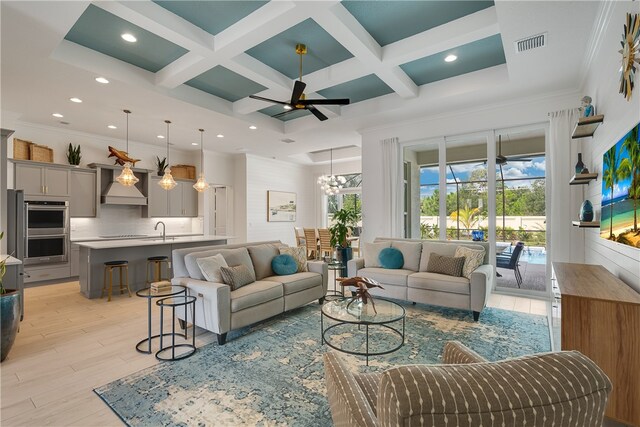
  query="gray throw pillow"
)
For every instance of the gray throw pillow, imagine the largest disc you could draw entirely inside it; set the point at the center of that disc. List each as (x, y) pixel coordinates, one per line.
(237, 277)
(448, 265)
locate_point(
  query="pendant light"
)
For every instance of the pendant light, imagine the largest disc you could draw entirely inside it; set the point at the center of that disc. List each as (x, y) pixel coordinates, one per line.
(127, 178)
(331, 184)
(167, 182)
(201, 185)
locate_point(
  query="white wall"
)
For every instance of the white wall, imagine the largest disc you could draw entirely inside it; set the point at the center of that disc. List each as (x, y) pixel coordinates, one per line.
(267, 174)
(510, 114)
(620, 116)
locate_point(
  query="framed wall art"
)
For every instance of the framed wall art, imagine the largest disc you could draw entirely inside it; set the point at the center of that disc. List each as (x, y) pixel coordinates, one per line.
(281, 206)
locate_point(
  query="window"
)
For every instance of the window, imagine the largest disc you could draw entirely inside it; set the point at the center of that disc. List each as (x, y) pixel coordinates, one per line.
(350, 197)
(429, 203)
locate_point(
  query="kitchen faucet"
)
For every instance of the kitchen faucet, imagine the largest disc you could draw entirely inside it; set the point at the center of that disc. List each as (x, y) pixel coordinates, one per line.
(164, 229)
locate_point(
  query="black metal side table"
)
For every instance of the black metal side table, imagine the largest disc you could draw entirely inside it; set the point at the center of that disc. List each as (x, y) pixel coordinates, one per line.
(335, 267)
(173, 302)
(149, 295)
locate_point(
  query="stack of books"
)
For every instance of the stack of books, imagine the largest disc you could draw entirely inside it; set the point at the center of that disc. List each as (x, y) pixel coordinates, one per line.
(160, 286)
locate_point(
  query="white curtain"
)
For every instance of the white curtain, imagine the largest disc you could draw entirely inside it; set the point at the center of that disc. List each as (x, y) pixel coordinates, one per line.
(391, 188)
(565, 242)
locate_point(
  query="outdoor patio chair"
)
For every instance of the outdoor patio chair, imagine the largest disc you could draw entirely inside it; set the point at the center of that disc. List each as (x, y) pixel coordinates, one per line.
(511, 262)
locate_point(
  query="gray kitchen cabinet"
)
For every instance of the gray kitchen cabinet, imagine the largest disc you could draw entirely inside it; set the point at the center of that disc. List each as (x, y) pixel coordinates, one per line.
(157, 203)
(41, 180)
(189, 200)
(74, 260)
(175, 200)
(182, 201)
(83, 200)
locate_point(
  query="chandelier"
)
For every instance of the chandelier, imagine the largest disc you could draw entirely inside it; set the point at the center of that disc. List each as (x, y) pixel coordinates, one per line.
(126, 177)
(167, 182)
(331, 184)
(202, 184)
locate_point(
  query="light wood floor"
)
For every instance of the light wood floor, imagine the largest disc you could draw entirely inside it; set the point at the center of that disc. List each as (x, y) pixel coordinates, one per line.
(68, 345)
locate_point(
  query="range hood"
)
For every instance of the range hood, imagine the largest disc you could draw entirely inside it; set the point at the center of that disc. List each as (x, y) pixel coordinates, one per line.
(117, 194)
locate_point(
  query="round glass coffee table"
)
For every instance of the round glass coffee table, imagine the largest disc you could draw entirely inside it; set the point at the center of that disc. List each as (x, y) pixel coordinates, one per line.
(352, 316)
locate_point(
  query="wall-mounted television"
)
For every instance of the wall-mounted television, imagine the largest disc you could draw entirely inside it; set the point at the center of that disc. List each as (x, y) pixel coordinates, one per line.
(620, 213)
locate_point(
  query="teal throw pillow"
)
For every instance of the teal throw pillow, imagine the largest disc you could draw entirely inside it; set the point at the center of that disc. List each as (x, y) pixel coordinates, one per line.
(391, 258)
(284, 264)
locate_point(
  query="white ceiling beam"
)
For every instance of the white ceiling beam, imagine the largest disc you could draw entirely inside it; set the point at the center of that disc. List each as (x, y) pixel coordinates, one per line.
(467, 29)
(257, 71)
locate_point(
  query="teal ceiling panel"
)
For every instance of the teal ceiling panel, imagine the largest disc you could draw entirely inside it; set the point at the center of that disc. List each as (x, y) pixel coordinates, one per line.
(212, 16)
(101, 31)
(474, 56)
(226, 84)
(390, 21)
(358, 90)
(279, 52)
(276, 109)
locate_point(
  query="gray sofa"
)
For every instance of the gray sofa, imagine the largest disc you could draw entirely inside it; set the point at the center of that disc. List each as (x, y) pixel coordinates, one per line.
(219, 310)
(413, 282)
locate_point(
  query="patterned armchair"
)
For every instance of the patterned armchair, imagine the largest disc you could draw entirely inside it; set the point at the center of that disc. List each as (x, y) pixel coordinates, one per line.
(563, 388)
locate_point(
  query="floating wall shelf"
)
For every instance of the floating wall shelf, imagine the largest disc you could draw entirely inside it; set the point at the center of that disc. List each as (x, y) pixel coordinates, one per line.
(587, 126)
(583, 178)
(584, 224)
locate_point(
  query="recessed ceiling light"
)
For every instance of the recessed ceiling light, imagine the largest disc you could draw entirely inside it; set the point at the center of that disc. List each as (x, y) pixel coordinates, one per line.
(112, 127)
(129, 38)
(160, 136)
(194, 143)
(102, 80)
(58, 115)
(220, 135)
(287, 107)
(252, 127)
(76, 100)
(450, 58)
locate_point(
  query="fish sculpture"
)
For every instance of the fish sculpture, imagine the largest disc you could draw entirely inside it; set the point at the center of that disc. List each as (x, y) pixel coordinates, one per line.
(362, 285)
(122, 157)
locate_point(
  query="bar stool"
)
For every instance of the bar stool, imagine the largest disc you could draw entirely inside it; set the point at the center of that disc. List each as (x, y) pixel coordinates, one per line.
(108, 267)
(156, 263)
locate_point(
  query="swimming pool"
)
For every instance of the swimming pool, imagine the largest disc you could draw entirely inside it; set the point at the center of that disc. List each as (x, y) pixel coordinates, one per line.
(531, 254)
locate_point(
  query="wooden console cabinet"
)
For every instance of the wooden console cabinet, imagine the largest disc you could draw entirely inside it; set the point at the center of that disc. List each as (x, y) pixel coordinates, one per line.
(600, 317)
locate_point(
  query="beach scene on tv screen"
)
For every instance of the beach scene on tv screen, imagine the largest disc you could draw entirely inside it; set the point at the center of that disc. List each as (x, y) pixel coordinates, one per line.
(621, 190)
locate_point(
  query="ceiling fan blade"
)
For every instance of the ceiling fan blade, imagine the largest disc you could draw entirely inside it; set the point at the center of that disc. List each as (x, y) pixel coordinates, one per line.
(342, 101)
(267, 99)
(298, 89)
(317, 113)
(285, 112)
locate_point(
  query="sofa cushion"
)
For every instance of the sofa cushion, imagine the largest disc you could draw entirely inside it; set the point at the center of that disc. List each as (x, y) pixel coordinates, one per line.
(411, 252)
(297, 282)
(299, 254)
(371, 251)
(210, 267)
(233, 257)
(237, 276)
(384, 276)
(261, 257)
(445, 265)
(368, 383)
(472, 259)
(439, 282)
(254, 294)
(442, 248)
(284, 265)
(391, 258)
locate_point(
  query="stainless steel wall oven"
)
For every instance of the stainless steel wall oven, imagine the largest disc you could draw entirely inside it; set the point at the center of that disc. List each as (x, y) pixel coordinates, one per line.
(47, 232)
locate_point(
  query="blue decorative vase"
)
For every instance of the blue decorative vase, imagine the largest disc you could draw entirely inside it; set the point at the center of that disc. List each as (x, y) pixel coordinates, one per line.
(586, 211)
(477, 235)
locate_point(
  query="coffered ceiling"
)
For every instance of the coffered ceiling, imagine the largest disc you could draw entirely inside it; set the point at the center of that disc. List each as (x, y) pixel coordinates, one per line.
(202, 59)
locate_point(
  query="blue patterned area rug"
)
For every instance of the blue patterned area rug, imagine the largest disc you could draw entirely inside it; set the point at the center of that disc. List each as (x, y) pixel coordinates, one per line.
(272, 373)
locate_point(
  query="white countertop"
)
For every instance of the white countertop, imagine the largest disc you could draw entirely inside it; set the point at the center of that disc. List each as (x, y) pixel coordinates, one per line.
(146, 236)
(126, 243)
(10, 260)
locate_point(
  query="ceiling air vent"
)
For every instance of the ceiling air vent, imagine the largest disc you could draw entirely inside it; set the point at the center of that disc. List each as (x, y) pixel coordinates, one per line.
(288, 140)
(532, 42)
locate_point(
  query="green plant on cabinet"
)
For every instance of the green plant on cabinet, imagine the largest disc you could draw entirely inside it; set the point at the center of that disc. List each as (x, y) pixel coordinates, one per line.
(73, 155)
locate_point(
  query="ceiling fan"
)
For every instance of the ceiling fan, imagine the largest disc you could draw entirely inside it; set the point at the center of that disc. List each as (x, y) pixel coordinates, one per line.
(298, 99)
(501, 160)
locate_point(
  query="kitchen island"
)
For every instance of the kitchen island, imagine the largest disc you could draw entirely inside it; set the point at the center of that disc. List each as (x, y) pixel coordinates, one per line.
(94, 254)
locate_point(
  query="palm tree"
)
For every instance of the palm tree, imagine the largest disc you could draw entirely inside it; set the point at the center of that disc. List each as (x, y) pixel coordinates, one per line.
(612, 174)
(631, 168)
(467, 216)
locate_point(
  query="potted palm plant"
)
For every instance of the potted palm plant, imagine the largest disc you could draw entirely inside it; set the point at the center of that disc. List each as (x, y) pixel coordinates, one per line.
(9, 311)
(345, 220)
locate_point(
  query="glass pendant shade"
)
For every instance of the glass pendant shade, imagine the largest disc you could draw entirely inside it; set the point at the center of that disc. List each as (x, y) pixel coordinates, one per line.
(127, 178)
(331, 184)
(167, 182)
(201, 185)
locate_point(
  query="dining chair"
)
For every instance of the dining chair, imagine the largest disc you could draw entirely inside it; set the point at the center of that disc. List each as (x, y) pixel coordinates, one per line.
(325, 242)
(311, 242)
(300, 240)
